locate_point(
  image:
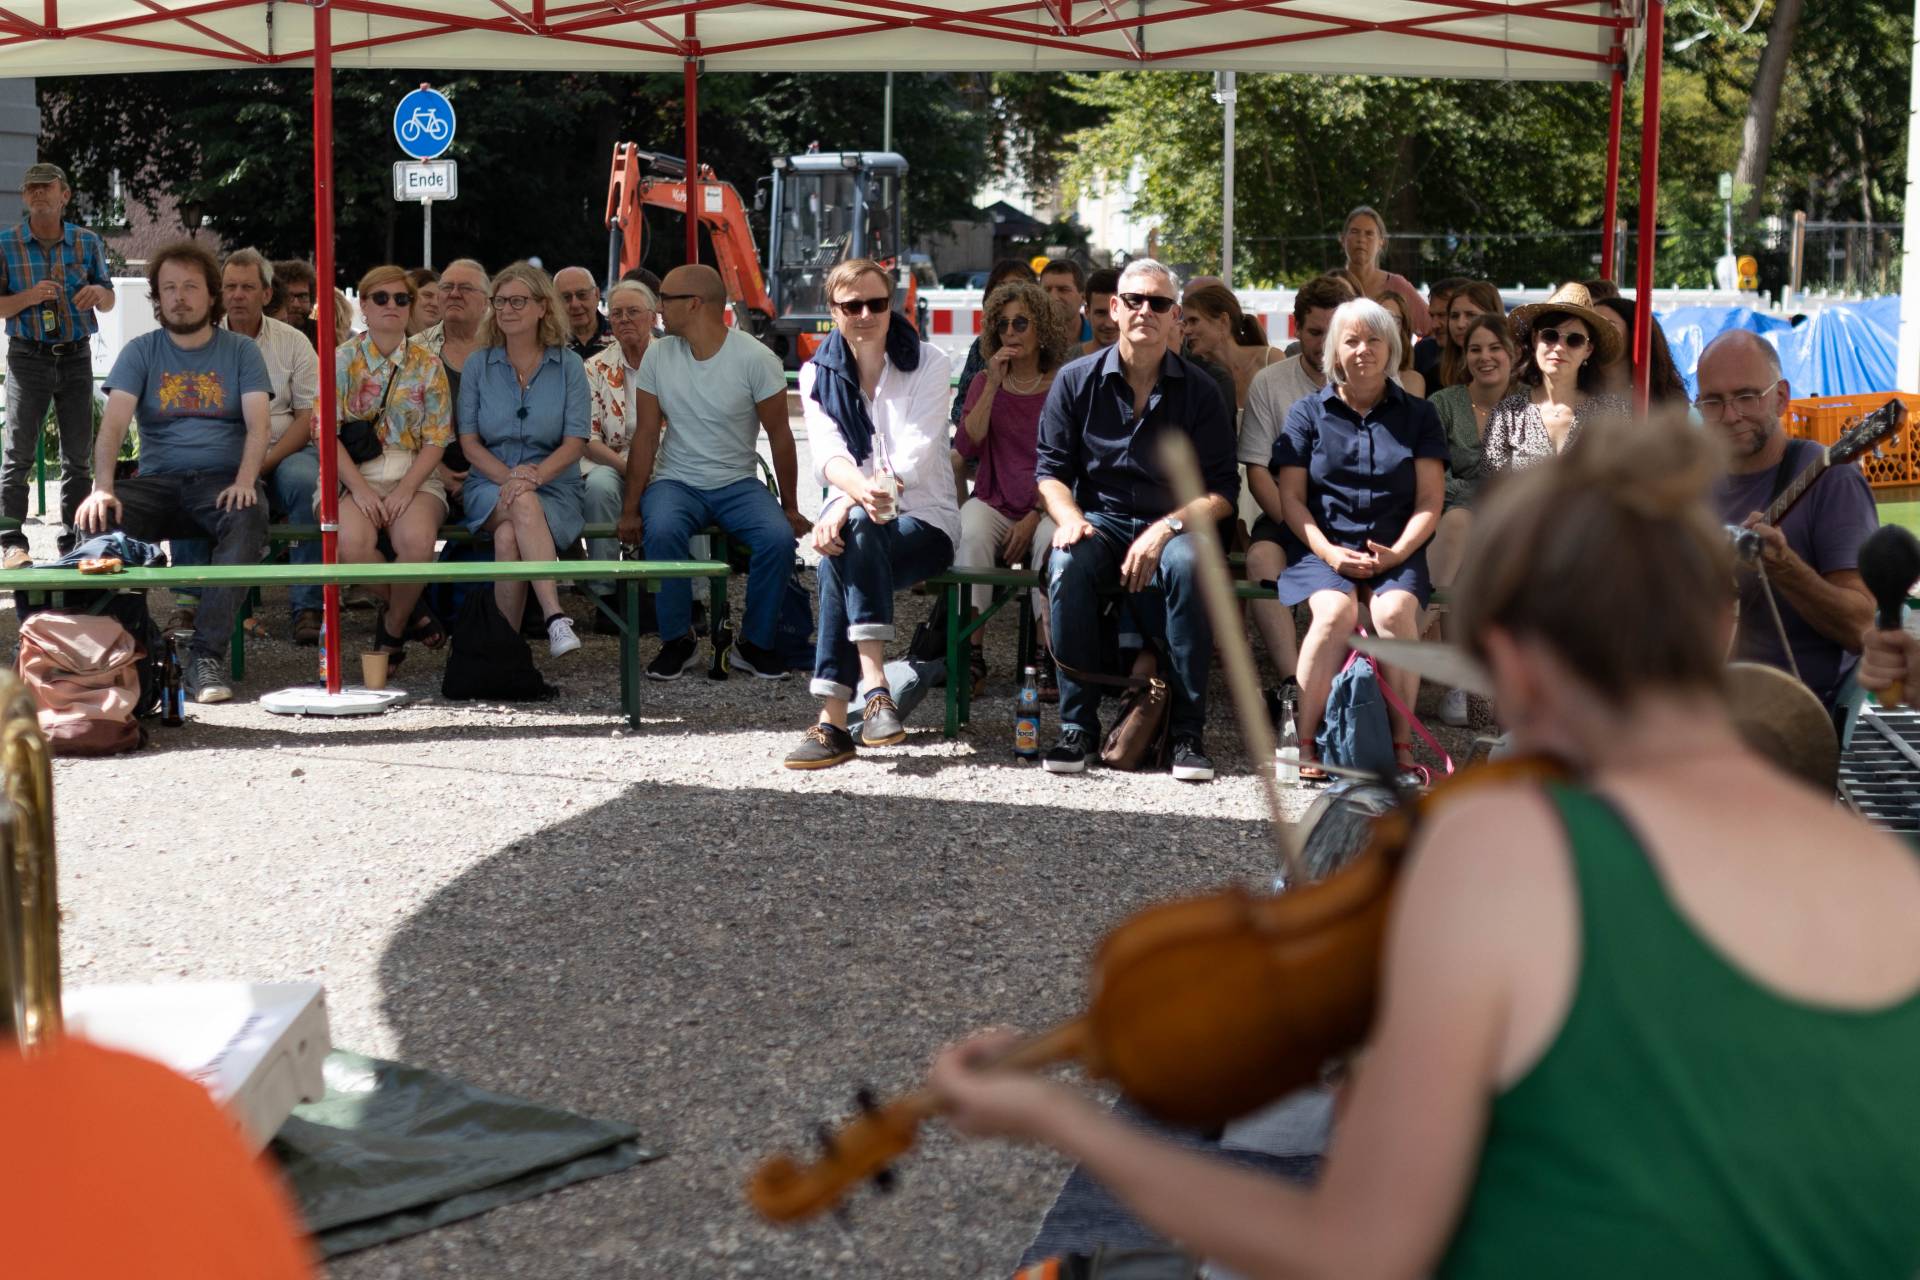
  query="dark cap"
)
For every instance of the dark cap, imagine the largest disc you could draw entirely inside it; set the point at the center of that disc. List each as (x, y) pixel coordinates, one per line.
(44, 173)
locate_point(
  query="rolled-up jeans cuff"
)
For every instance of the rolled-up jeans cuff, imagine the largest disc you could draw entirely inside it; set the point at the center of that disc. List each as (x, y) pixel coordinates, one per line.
(830, 689)
(858, 631)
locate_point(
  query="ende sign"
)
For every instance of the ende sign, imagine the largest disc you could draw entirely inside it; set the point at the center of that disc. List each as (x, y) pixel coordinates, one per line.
(426, 180)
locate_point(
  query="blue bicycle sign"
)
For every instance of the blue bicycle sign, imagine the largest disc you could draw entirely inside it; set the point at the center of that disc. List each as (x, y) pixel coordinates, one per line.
(423, 123)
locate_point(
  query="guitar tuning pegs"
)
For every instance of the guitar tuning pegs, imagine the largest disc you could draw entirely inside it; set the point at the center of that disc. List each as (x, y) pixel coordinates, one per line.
(864, 1099)
(885, 1182)
(825, 1137)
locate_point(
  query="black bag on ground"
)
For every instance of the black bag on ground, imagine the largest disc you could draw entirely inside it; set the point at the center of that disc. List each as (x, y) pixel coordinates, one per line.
(488, 659)
(793, 634)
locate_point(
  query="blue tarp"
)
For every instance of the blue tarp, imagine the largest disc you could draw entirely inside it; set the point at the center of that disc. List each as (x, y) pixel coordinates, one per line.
(1843, 350)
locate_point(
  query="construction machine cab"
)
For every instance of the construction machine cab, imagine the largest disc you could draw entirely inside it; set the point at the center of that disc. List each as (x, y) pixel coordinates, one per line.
(827, 207)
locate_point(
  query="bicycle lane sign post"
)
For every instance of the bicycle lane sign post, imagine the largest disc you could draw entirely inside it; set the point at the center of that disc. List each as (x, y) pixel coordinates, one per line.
(423, 125)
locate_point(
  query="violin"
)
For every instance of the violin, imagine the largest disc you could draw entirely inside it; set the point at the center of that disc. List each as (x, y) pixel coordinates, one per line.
(1200, 1010)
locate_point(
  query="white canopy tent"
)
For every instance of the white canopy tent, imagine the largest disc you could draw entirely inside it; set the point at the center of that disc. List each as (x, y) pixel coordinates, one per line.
(1593, 40)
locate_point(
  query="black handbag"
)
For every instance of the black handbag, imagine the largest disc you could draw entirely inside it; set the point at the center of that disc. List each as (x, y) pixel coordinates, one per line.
(488, 659)
(361, 437)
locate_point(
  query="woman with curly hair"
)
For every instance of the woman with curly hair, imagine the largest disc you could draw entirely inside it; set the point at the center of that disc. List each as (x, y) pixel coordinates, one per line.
(1024, 340)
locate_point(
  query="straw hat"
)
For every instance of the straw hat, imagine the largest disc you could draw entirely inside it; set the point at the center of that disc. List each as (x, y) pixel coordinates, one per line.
(1572, 299)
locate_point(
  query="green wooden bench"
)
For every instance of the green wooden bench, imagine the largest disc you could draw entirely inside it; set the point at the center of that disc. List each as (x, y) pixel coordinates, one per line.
(628, 576)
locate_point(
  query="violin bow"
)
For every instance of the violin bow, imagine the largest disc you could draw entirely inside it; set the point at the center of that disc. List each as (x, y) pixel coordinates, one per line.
(1230, 638)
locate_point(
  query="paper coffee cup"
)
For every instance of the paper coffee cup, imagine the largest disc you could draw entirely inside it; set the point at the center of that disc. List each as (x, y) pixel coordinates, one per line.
(373, 670)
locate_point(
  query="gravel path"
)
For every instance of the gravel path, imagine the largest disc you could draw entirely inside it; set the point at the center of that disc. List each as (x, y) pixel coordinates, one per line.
(661, 926)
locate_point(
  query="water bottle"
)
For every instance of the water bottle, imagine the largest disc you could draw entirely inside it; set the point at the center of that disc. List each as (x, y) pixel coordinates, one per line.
(323, 654)
(1287, 756)
(1026, 718)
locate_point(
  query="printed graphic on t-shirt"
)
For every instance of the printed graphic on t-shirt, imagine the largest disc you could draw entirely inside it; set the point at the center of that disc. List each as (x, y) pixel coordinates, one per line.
(192, 393)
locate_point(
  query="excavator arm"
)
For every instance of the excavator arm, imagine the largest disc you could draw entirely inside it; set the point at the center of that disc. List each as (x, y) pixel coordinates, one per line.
(639, 179)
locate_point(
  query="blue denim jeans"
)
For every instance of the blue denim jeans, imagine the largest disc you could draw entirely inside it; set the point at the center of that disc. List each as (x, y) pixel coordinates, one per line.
(185, 504)
(856, 591)
(36, 379)
(1170, 612)
(290, 489)
(604, 488)
(671, 513)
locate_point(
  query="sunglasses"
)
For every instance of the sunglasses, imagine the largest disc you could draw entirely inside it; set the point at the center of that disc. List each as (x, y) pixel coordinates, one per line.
(1160, 303)
(1553, 337)
(382, 298)
(1015, 324)
(677, 297)
(511, 302)
(868, 306)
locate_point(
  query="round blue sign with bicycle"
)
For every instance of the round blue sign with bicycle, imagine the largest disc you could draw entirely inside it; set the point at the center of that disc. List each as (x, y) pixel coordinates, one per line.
(423, 123)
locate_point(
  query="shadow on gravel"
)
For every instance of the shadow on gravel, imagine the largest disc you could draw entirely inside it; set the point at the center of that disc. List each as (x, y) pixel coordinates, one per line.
(372, 731)
(723, 967)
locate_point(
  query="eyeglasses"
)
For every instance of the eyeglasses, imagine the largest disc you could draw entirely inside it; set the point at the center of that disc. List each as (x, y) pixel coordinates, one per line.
(579, 295)
(381, 298)
(867, 306)
(1017, 324)
(460, 288)
(677, 297)
(511, 301)
(1553, 337)
(626, 313)
(1160, 303)
(1743, 403)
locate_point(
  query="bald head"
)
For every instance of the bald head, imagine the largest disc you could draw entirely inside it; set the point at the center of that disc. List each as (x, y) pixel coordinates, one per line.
(581, 298)
(1739, 348)
(693, 303)
(1742, 394)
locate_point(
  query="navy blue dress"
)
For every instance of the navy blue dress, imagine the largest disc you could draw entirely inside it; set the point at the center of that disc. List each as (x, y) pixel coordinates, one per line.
(1360, 485)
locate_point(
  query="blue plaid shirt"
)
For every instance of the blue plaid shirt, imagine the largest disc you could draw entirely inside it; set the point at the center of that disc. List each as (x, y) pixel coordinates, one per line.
(81, 260)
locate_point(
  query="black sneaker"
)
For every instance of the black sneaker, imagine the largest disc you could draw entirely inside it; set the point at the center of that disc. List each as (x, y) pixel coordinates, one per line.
(824, 746)
(206, 679)
(1190, 763)
(675, 659)
(880, 722)
(1071, 753)
(755, 661)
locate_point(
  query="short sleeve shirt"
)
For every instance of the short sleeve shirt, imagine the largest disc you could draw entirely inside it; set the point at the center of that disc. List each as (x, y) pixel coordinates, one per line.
(1825, 528)
(1273, 391)
(190, 411)
(713, 405)
(77, 260)
(418, 411)
(294, 371)
(1361, 482)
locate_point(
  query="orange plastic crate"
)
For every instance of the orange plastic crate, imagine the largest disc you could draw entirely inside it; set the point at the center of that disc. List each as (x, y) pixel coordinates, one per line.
(1824, 418)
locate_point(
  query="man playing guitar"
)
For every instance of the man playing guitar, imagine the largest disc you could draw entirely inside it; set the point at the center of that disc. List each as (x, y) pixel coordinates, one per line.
(1811, 556)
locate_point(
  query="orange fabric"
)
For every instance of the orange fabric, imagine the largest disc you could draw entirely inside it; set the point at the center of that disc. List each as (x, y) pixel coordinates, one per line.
(112, 1165)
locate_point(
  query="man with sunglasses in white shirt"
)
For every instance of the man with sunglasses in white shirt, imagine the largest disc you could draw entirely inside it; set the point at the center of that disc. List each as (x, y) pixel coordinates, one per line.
(1117, 524)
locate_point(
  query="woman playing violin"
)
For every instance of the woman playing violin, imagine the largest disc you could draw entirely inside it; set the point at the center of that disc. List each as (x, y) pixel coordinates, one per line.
(1663, 1022)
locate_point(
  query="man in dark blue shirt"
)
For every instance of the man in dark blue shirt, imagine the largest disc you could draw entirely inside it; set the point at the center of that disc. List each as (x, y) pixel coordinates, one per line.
(1118, 524)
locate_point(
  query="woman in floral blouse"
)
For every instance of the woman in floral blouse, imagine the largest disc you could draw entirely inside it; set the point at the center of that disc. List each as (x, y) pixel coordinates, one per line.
(394, 392)
(1564, 346)
(631, 309)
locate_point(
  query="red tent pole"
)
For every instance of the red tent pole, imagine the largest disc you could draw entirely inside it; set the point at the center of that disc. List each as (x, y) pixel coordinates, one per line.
(323, 268)
(1611, 216)
(1649, 200)
(693, 143)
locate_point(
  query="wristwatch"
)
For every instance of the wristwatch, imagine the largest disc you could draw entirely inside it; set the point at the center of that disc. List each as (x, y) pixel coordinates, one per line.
(1175, 523)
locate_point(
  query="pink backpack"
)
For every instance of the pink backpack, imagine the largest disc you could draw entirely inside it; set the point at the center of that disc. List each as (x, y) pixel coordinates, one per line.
(83, 671)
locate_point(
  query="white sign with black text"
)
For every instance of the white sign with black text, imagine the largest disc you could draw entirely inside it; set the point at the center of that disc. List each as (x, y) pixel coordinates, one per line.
(426, 180)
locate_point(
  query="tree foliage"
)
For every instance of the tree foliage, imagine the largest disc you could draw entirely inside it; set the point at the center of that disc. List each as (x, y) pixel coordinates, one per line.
(533, 151)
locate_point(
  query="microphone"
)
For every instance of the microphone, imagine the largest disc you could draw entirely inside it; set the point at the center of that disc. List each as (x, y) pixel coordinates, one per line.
(521, 413)
(1889, 563)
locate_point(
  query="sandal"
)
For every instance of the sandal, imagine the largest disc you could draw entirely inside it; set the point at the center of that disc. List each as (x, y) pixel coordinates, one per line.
(395, 647)
(424, 627)
(1411, 773)
(1311, 772)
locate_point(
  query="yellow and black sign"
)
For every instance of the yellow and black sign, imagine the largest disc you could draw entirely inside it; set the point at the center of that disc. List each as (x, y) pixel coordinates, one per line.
(1749, 272)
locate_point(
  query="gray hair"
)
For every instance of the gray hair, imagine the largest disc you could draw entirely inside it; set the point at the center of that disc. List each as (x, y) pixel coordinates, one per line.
(1366, 314)
(1148, 267)
(647, 299)
(478, 269)
(251, 258)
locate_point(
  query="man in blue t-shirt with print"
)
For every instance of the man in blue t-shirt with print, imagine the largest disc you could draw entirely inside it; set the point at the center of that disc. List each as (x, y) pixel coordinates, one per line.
(201, 394)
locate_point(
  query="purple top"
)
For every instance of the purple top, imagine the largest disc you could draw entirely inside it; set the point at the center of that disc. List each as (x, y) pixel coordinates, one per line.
(1825, 528)
(1005, 480)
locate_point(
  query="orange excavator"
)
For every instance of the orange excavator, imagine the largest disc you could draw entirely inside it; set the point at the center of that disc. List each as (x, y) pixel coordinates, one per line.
(822, 208)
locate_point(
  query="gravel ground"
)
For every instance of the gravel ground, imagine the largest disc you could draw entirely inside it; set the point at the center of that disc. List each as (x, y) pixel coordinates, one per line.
(661, 926)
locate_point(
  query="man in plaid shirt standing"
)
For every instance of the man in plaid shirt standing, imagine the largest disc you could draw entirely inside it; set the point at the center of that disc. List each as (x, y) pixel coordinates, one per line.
(53, 277)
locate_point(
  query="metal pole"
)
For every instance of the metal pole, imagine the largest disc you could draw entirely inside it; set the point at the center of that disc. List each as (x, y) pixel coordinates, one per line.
(1908, 374)
(1649, 201)
(692, 72)
(326, 408)
(1797, 256)
(1229, 94)
(886, 117)
(426, 234)
(1610, 216)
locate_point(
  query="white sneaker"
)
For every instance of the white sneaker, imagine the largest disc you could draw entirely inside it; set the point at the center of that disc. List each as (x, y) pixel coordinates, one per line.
(560, 637)
(1454, 709)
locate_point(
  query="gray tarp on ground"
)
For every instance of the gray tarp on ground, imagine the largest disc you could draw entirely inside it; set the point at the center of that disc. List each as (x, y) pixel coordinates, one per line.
(393, 1150)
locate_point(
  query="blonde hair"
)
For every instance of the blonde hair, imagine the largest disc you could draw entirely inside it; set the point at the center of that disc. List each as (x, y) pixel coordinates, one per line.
(845, 273)
(1617, 526)
(1398, 305)
(378, 276)
(342, 318)
(553, 328)
(1371, 316)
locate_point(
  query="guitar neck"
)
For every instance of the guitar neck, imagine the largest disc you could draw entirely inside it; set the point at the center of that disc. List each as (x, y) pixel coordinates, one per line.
(1797, 489)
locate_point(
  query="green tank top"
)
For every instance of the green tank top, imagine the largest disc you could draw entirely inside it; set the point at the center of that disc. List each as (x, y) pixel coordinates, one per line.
(1688, 1122)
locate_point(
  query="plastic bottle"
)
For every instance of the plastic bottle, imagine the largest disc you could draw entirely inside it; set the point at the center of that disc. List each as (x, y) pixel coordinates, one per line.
(173, 700)
(1026, 718)
(1287, 756)
(323, 654)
